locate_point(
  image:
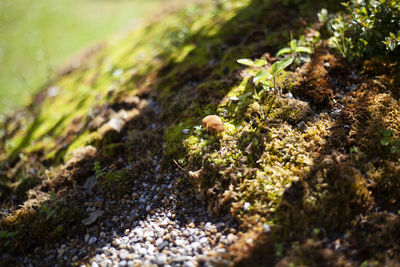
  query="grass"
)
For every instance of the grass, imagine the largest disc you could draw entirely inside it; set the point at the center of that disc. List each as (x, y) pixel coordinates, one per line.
(38, 36)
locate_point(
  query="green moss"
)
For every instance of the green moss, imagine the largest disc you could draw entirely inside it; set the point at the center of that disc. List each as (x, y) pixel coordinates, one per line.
(42, 221)
(175, 136)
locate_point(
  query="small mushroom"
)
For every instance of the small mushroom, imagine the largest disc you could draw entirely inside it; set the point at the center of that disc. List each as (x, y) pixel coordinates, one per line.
(213, 124)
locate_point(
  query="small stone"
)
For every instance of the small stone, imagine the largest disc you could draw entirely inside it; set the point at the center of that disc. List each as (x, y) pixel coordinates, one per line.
(203, 240)
(180, 242)
(159, 241)
(164, 222)
(246, 206)
(266, 228)
(150, 249)
(94, 264)
(163, 245)
(139, 232)
(92, 240)
(189, 264)
(123, 254)
(302, 126)
(336, 112)
(60, 252)
(87, 237)
(103, 235)
(92, 217)
(160, 259)
(232, 238)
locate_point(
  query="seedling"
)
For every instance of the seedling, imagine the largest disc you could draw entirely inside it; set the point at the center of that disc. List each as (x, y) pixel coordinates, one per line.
(294, 49)
(387, 139)
(98, 170)
(263, 75)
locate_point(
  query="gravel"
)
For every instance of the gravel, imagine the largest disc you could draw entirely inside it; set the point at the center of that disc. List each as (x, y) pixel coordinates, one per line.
(158, 224)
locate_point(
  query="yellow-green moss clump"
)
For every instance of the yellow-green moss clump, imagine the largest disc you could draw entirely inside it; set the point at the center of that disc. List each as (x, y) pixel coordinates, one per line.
(304, 172)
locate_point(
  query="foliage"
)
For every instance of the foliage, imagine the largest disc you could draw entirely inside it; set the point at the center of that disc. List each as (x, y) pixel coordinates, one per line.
(369, 28)
(7, 236)
(47, 210)
(388, 140)
(98, 170)
(294, 49)
(263, 75)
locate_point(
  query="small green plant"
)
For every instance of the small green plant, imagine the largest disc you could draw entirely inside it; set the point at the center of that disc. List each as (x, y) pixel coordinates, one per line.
(386, 136)
(98, 170)
(368, 28)
(294, 49)
(392, 41)
(47, 210)
(316, 231)
(387, 140)
(52, 196)
(278, 250)
(7, 236)
(354, 149)
(338, 29)
(263, 75)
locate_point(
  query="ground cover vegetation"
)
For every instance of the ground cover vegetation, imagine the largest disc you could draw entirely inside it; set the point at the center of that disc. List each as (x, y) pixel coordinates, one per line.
(311, 173)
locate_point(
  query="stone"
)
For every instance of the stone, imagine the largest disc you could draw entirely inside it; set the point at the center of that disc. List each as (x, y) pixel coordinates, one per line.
(92, 217)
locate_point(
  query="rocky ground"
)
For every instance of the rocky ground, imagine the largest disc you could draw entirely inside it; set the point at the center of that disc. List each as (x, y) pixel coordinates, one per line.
(160, 222)
(153, 225)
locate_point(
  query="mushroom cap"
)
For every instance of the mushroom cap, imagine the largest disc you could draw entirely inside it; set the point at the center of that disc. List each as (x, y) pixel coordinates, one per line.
(213, 123)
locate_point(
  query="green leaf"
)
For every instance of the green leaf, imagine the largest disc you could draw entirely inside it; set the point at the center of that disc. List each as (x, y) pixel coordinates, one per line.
(385, 140)
(246, 61)
(262, 75)
(284, 50)
(260, 62)
(354, 149)
(281, 65)
(386, 132)
(3, 234)
(302, 49)
(293, 45)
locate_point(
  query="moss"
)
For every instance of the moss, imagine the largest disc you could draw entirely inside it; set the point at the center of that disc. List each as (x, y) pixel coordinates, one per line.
(280, 161)
(116, 183)
(43, 221)
(174, 137)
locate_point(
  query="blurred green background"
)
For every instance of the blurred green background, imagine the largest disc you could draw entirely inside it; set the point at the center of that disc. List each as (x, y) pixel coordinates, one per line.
(37, 36)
